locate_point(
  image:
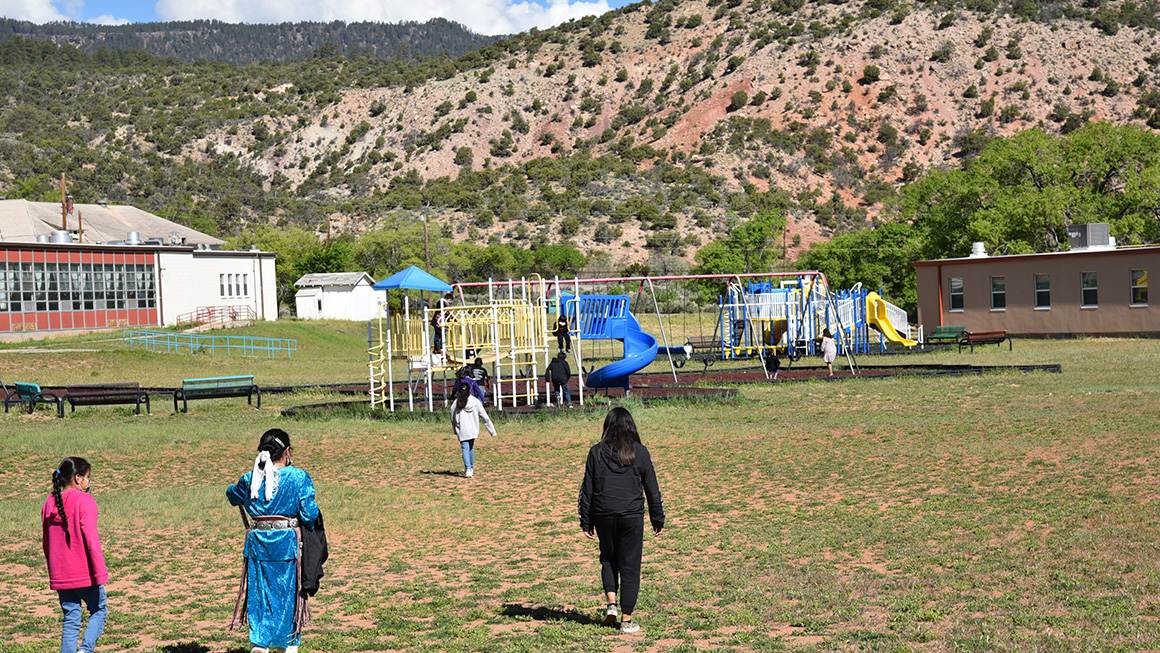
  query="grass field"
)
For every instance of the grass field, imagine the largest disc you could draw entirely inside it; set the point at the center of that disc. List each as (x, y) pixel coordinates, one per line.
(1010, 511)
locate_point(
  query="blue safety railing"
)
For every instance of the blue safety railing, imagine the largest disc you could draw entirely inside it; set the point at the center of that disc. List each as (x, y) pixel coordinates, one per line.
(172, 342)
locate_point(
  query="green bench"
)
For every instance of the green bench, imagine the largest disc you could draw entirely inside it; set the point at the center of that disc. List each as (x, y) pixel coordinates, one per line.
(31, 394)
(949, 334)
(216, 388)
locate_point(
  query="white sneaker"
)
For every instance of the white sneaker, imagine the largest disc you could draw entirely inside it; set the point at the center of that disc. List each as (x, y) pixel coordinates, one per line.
(292, 649)
(470, 472)
(610, 615)
(629, 627)
(259, 649)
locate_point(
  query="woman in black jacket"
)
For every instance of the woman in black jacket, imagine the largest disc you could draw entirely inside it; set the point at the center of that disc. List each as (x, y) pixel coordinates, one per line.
(618, 476)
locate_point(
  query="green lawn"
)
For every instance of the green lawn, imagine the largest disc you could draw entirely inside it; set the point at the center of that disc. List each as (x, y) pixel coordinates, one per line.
(1010, 511)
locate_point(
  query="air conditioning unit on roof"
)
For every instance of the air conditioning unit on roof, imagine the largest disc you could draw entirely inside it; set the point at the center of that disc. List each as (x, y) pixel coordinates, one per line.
(1088, 236)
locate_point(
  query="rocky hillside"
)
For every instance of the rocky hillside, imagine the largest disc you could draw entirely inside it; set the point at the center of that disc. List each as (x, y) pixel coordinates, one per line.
(834, 104)
(650, 130)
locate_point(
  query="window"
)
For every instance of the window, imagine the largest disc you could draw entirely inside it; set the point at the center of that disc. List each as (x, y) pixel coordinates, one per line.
(956, 293)
(1089, 289)
(230, 284)
(1042, 291)
(222, 283)
(998, 293)
(245, 285)
(1139, 280)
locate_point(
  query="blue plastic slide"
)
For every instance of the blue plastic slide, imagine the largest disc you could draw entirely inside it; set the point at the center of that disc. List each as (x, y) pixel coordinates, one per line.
(607, 316)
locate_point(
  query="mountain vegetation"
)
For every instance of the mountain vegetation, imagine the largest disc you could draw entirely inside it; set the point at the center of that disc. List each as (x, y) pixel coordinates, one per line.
(718, 134)
(213, 40)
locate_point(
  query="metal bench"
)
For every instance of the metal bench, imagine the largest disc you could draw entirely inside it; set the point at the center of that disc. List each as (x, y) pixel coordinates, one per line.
(31, 394)
(972, 338)
(106, 394)
(948, 334)
(216, 388)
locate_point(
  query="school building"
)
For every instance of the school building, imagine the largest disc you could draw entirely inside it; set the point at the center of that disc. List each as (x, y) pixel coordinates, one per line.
(1094, 289)
(107, 266)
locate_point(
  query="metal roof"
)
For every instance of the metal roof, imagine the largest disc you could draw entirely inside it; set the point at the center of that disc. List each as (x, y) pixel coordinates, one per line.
(333, 279)
(23, 221)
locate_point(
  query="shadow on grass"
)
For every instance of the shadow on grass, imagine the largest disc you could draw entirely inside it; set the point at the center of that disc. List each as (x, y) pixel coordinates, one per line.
(540, 613)
(194, 647)
(185, 647)
(440, 472)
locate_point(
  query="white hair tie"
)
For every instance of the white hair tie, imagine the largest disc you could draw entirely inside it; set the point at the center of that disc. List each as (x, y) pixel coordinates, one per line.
(264, 469)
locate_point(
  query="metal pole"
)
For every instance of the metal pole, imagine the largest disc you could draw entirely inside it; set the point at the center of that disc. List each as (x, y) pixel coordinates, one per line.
(579, 338)
(407, 349)
(656, 306)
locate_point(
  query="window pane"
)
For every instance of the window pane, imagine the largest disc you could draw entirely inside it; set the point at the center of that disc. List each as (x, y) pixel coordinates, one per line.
(1139, 287)
(1042, 291)
(998, 292)
(1088, 282)
(956, 293)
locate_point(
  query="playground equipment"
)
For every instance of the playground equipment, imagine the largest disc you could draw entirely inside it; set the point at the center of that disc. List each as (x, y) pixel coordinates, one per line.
(789, 318)
(877, 317)
(608, 317)
(512, 331)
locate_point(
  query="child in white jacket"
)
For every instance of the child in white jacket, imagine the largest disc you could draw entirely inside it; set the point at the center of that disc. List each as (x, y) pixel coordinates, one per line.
(466, 414)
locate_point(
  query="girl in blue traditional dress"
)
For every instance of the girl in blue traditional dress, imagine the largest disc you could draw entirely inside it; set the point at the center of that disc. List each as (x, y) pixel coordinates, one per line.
(280, 499)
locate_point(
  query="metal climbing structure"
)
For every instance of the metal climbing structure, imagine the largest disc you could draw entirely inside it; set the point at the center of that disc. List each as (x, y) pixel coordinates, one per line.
(509, 334)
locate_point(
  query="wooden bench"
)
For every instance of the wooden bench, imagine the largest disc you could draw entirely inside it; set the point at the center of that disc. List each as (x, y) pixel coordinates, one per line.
(945, 333)
(106, 394)
(31, 394)
(216, 388)
(972, 338)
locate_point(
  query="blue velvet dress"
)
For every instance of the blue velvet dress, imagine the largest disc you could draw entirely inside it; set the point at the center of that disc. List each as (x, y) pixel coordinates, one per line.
(273, 554)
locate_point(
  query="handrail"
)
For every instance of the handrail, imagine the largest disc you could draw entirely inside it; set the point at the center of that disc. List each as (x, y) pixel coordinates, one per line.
(196, 343)
(217, 314)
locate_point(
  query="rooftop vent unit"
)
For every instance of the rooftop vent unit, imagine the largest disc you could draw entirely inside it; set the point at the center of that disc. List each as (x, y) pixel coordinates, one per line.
(978, 250)
(133, 238)
(42, 238)
(104, 204)
(60, 237)
(1089, 236)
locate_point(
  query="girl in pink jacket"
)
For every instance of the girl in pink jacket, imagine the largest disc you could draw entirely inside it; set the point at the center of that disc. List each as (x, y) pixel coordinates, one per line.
(76, 565)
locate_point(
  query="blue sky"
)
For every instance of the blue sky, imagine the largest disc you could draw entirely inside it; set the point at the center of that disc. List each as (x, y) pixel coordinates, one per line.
(485, 16)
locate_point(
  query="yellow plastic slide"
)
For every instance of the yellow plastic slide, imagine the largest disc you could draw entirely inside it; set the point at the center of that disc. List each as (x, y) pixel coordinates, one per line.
(876, 317)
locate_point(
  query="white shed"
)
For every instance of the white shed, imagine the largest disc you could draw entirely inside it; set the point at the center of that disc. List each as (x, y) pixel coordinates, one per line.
(338, 296)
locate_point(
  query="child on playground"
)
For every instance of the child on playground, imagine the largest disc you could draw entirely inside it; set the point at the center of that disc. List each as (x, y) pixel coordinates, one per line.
(466, 414)
(829, 350)
(72, 549)
(618, 477)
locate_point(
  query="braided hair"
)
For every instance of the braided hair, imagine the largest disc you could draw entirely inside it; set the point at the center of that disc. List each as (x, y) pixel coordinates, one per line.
(62, 476)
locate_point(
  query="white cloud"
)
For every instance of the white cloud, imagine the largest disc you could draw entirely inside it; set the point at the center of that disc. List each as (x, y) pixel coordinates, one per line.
(37, 11)
(483, 16)
(108, 20)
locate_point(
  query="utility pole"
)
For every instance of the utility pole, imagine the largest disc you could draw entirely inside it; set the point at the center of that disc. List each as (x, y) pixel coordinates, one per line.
(426, 242)
(64, 205)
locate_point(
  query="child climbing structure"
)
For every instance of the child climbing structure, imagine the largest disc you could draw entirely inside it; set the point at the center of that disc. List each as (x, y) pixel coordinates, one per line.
(508, 334)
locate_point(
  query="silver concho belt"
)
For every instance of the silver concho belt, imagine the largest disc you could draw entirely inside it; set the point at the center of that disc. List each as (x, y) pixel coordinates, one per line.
(275, 524)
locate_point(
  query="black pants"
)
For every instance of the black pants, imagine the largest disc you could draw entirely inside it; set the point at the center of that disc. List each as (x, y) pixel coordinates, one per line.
(621, 542)
(564, 340)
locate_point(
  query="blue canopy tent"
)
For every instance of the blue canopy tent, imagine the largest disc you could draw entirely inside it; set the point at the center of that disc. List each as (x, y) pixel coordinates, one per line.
(413, 278)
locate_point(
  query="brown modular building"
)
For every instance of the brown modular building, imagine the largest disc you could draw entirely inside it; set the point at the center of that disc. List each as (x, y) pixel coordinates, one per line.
(1092, 291)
